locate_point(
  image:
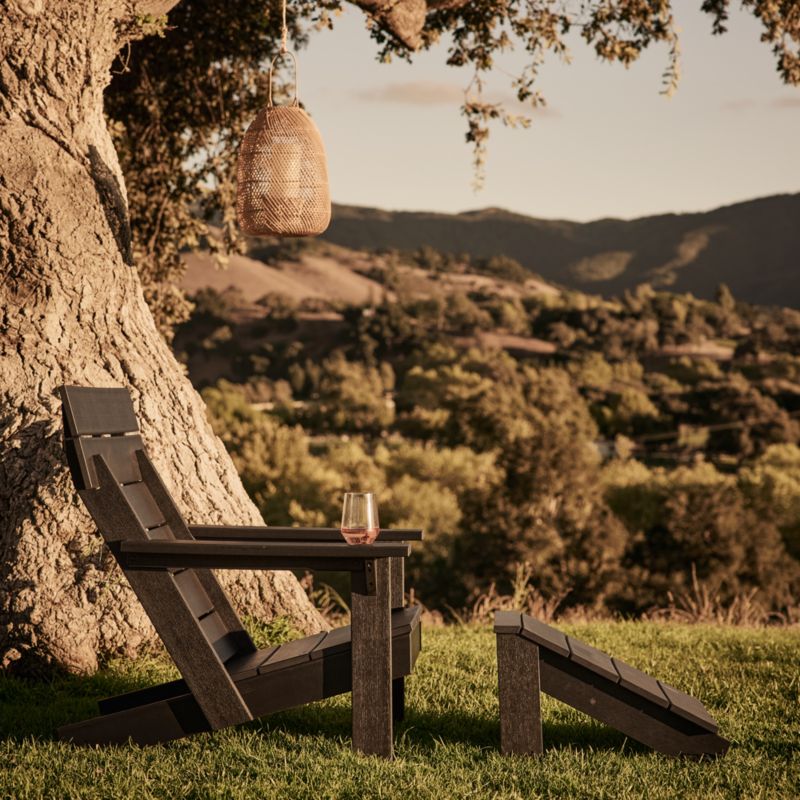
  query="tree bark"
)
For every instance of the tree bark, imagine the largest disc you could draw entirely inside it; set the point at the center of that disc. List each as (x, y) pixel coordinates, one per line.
(72, 311)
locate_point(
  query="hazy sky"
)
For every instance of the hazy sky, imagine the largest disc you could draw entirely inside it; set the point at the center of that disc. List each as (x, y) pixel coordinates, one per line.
(608, 145)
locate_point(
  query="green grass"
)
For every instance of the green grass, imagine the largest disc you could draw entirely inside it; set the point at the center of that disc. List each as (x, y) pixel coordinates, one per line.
(447, 748)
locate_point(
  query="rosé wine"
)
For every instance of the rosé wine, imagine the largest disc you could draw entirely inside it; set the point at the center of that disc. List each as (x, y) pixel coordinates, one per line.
(360, 535)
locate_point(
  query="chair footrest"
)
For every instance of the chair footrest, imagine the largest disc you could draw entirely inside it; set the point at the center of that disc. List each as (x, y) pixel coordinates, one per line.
(606, 688)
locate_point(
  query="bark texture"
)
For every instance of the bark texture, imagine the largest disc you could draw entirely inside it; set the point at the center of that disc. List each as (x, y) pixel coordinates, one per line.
(72, 311)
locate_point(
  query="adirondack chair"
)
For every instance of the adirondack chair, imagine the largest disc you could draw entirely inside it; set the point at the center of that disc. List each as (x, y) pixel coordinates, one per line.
(226, 680)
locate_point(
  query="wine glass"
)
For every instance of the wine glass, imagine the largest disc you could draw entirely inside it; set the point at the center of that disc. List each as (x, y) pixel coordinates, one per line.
(360, 518)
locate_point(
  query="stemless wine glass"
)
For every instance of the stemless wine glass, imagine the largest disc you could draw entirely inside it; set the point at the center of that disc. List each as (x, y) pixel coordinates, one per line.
(360, 518)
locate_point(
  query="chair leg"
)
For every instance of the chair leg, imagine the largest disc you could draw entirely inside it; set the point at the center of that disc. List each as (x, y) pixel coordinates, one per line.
(519, 692)
(397, 571)
(372, 664)
(397, 599)
(399, 699)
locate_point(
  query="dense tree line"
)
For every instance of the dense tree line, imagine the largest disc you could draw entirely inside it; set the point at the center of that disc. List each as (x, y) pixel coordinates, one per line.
(615, 468)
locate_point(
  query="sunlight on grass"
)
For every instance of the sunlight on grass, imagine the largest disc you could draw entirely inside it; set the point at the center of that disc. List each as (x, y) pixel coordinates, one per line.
(447, 747)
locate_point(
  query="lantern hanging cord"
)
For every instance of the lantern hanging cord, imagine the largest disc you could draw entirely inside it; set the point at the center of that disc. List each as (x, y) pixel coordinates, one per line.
(284, 51)
(284, 30)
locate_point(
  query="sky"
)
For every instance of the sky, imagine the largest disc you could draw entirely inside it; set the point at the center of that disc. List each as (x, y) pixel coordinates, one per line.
(608, 145)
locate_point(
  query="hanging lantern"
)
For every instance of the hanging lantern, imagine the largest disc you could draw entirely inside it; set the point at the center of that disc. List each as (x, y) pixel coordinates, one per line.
(282, 176)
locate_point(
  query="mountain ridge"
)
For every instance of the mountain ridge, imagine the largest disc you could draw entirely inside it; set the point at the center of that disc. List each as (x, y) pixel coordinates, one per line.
(753, 245)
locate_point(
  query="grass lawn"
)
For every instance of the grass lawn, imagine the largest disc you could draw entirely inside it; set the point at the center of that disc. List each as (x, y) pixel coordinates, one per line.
(447, 747)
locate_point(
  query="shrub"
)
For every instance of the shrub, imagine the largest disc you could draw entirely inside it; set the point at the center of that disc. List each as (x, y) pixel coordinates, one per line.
(698, 519)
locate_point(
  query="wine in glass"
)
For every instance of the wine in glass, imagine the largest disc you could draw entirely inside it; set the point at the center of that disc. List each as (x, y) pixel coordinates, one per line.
(360, 518)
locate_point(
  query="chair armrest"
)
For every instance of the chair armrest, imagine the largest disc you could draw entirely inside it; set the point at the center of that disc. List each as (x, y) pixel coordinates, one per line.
(182, 553)
(263, 533)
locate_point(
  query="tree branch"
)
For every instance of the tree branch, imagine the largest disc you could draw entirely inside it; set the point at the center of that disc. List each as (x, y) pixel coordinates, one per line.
(404, 19)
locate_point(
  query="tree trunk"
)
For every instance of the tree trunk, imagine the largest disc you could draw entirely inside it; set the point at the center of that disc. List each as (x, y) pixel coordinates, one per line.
(72, 311)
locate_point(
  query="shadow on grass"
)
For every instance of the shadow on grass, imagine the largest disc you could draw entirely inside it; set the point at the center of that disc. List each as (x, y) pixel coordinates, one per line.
(34, 709)
(429, 730)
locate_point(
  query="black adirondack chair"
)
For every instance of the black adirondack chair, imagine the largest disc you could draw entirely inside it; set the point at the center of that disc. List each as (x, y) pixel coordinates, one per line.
(226, 679)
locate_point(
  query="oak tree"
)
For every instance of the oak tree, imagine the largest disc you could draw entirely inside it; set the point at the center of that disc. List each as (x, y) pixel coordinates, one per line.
(97, 199)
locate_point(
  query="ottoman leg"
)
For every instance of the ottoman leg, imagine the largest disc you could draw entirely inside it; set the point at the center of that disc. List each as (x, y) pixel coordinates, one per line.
(519, 691)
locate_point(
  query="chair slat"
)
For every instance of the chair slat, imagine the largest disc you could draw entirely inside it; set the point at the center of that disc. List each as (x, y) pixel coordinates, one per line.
(161, 533)
(229, 646)
(335, 641)
(91, 411)
(507, 622)
(592, 658)
(544, 635)
(404, 619)
(143, 505)
(219, 636)
(688, 707)
(118, 451)
(193, 593)
(246, 666)
(640, 683)
(292, 653)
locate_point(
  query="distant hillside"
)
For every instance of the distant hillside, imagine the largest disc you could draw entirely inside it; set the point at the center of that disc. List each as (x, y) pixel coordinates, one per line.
(331, 273)
(754, 246)
(331, 276)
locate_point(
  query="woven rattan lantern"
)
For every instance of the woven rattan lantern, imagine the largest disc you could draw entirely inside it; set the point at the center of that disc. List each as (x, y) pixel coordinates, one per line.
(282, 181)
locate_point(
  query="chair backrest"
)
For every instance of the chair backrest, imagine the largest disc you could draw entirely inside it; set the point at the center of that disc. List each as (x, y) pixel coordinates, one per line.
(127, 500)
(100, 422)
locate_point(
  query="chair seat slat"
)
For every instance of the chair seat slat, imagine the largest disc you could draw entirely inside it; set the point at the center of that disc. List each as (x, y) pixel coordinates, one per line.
(295, 652)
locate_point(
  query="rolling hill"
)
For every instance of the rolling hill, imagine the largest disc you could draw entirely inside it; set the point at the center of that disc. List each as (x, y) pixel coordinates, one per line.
(753, 246)
(332, 276)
